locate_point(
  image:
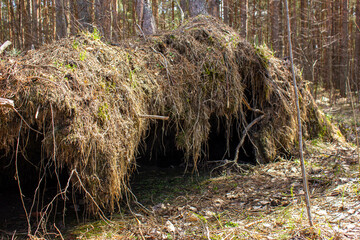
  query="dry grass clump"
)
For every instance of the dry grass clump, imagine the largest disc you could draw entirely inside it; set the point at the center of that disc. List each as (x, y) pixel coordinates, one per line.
(88, 99)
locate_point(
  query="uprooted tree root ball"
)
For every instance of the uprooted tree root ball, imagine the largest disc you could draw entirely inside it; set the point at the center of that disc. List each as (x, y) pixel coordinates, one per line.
(90, 102)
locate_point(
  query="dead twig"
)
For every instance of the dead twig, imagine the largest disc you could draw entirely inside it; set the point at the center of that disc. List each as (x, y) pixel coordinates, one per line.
(157, 117)
(142, 32)
(244, 134)
(19, 183)
(303, 170)
(36, 66)
(57, 229)
(165, 64)
(44, 79)
(4, 102)
(22, 118)
(4, 46)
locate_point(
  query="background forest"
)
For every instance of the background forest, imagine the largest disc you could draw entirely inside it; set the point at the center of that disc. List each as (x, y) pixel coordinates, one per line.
(325, 33)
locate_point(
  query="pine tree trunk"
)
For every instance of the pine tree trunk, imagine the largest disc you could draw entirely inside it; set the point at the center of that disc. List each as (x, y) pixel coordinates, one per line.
(357, 45)
(2, 27)
(74, 16)
(173, 11)
(140, 11)
(233, 14)
(214, 8)
(244, 18)
(155, 11)
(60, 19)
(35, 23)
(344, 47)
(148, 26)
(114, 21)
(184, 6)
(84, 14)
(294, 26)
(226, 11)
(103, 17)
(275, 39)
(197, 7)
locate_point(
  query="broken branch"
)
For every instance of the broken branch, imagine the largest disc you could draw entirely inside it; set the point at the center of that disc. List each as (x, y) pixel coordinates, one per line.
(153, 117)
(244, 133)
(4, 102)
(4, 46)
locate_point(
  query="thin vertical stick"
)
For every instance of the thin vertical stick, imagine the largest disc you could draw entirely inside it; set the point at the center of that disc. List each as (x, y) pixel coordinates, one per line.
(355, 124)
(303, 170)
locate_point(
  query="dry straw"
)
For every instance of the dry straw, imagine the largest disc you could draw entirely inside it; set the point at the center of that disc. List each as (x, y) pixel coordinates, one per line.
(93, 101)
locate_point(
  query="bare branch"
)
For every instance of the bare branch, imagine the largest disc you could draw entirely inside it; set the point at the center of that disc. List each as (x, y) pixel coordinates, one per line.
(303, 170)
(4, 46)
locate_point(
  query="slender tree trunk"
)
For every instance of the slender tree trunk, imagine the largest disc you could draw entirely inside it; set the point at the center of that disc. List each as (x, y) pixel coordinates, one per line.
(2, 27)
(214, 8)
(357, 45)
(114, 21)
(252, 22)
(244, 18)
(172, 11)
(131, 25)
(226, 11)
(140, 11)
(148, 26)
(328, 72)
(61, 25)
(275, 13)
(84, 11)
(19, 22)
(155, 10)
(124, 19)
(233, 14)
(74, 16)
(35, 23)
(344, 47)
(184, 5)
(197, 7)
(103, 17)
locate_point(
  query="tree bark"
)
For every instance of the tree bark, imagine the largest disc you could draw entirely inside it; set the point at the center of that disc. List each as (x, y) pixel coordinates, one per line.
(148, 26)
(233, 13)
(197, 7)
(226, 11)
(61, 23)
(275, 39)
(244, 18)
(155, 11)
(35, 23)
(357, 44)
(114, 19)
(103, 17)
(2, 27)
(184, 6)
(140, 11)
(84, 14)
(344, 47)
(214, 7)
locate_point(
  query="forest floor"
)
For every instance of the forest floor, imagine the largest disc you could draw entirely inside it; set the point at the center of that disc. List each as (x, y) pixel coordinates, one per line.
(250, 202)
(245, 201)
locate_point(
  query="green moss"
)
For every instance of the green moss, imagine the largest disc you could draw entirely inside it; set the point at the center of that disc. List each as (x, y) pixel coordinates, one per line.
(103, 112)
(264, 53)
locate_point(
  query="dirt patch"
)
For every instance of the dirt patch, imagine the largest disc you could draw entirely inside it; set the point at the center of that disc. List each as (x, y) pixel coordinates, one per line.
(264, 202)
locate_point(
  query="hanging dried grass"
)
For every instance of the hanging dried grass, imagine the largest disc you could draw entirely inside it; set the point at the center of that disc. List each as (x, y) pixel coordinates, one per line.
(92, 98)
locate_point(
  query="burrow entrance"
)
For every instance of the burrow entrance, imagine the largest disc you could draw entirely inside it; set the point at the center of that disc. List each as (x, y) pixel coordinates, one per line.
(159, 148)
(27, 171)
